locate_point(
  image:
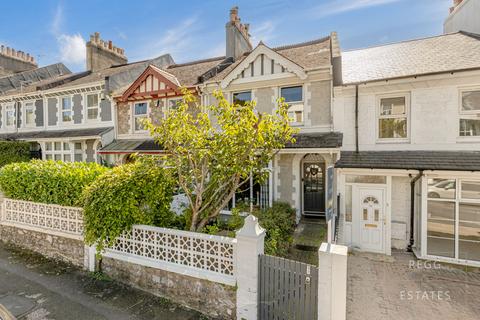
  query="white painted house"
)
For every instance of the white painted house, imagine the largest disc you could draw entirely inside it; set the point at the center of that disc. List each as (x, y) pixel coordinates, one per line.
(409, 171)
(464, 16)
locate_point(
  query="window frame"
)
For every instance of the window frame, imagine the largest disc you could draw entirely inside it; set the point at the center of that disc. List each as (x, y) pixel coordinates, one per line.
(134, 117)
(241, 91)
(167, 104)
(61, 110)
(87, 107)
(378, 117)
(295, 104)
(10, 107)
(24, 114)
(71, 151)
(467, 115)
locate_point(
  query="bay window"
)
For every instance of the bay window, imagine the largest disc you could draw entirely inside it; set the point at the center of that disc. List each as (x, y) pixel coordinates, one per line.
(63, 151)
(294, 97)
(453, 219)
(469, 123)
(393, 118)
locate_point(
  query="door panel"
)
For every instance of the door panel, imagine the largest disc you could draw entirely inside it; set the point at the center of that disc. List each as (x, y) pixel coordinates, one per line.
(313, 188)
(370, 214)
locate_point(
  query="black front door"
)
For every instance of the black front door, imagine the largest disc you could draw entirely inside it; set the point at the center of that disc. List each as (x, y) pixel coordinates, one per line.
(313, 188)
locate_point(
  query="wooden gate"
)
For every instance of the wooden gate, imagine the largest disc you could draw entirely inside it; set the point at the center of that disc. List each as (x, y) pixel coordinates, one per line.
(288, 290)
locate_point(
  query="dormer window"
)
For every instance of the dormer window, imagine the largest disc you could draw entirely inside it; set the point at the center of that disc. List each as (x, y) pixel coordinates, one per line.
(294, 97)
(66, 109)
(241, 98)
(10, 116)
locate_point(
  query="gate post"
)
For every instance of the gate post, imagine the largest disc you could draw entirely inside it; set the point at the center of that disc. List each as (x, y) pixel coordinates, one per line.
(250, 244)
(332, 282)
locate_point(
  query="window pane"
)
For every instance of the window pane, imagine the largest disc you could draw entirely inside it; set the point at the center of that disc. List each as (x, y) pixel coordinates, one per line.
(173, 104)
(392, 128)
(469, 127)
(58, 146)
(78, 157)
(469, 231)
(441, 188)
(78, 146)
(470, 190)
(48, 157)
(471, 101)
(58, 157)
(67, 157)
(140, 108)
(66, 146)
(139, 123)
(92, 100)
(441, 228)
(92, 113)
(292, 94)
(66, 116)
(392, 106)
(29, 116)
(242, 97)
(66, 103)
(48, 145)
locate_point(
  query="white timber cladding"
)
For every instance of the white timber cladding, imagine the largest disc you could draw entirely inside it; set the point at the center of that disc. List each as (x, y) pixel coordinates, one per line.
(435, 113)
(41, 217)
(199, 255)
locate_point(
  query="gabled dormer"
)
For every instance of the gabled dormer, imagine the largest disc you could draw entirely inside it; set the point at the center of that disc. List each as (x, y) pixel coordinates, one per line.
(263, 63)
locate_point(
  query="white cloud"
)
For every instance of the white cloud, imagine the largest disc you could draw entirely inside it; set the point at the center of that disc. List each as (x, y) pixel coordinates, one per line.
(340, 6)
(57, 20)
(72, 49)
(264, 32)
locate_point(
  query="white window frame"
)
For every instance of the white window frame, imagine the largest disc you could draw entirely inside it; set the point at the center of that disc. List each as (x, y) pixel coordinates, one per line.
(177, 99)
(378, 116)
(457, 200)
(62, 152)
(295, 105)
(87, 107)
(60, 109)
(10, 107)
(24, 114)
(132, 106)
(467, 115)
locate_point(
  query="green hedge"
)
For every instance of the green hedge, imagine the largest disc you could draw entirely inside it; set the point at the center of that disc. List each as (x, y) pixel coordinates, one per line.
(14, 151)
(48, 181)
(137, 193)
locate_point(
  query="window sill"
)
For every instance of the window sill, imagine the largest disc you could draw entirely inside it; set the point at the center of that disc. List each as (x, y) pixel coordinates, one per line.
(393, 140)
(468, 139)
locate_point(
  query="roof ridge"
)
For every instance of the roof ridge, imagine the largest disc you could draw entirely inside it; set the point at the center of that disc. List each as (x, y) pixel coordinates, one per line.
(301, 44)
(195, 62)
(31, 70)
(403, 41)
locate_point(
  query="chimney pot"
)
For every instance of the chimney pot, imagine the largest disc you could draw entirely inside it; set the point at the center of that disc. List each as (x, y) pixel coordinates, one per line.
(234, 14)
(110, 44)
(456, 2)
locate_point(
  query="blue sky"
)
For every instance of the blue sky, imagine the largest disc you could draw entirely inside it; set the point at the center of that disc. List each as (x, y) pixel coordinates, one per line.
(56, 30)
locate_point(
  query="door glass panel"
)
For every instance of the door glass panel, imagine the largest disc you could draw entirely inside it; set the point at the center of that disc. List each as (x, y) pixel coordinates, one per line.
(348, 203)
(470, 190)
(441, 188)
(441, 228)
(469, 231)
(313, 188)
(377, 214)
(365, 214)
(365, 179)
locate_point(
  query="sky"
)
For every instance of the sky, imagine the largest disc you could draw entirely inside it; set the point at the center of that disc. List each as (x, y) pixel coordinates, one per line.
(56, 30)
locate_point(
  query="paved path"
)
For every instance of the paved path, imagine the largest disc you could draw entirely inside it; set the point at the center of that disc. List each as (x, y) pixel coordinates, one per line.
(403, 288)
(35, 288)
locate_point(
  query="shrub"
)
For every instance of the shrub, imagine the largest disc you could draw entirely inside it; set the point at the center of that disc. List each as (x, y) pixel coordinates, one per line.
(14, 151)
(54, 182)
(279, 223)
(138, 193)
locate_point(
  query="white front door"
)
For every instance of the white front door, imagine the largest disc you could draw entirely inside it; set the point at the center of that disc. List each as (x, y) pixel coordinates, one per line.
(369, 212)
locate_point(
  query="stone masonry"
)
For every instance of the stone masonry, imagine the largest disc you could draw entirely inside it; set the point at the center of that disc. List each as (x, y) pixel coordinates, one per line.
(123, 117)
(213, 299)
(52, 246)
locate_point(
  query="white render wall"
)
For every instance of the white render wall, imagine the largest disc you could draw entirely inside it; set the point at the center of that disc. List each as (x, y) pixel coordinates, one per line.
(400, 212)
(465, 17)
(433, 118)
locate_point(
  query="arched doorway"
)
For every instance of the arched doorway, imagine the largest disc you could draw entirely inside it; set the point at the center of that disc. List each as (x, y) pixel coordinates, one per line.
(313, 185)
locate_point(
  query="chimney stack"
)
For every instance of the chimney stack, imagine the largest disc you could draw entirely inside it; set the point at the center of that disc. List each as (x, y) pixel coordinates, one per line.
(103, 54)
(237, 36)
(13, 61)
(456, 3)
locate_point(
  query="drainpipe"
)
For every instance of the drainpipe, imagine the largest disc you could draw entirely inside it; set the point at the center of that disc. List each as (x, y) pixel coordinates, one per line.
(356, 118)
(412, 208)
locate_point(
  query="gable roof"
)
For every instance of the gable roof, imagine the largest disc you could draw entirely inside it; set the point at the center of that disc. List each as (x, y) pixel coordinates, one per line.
(440, 54)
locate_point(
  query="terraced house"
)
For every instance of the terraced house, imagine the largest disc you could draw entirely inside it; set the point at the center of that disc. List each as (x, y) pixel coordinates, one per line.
(301, 73)
(66, 116)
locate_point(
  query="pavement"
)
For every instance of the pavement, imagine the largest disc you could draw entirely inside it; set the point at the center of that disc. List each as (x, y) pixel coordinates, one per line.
(35, 288)
(401, 287)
